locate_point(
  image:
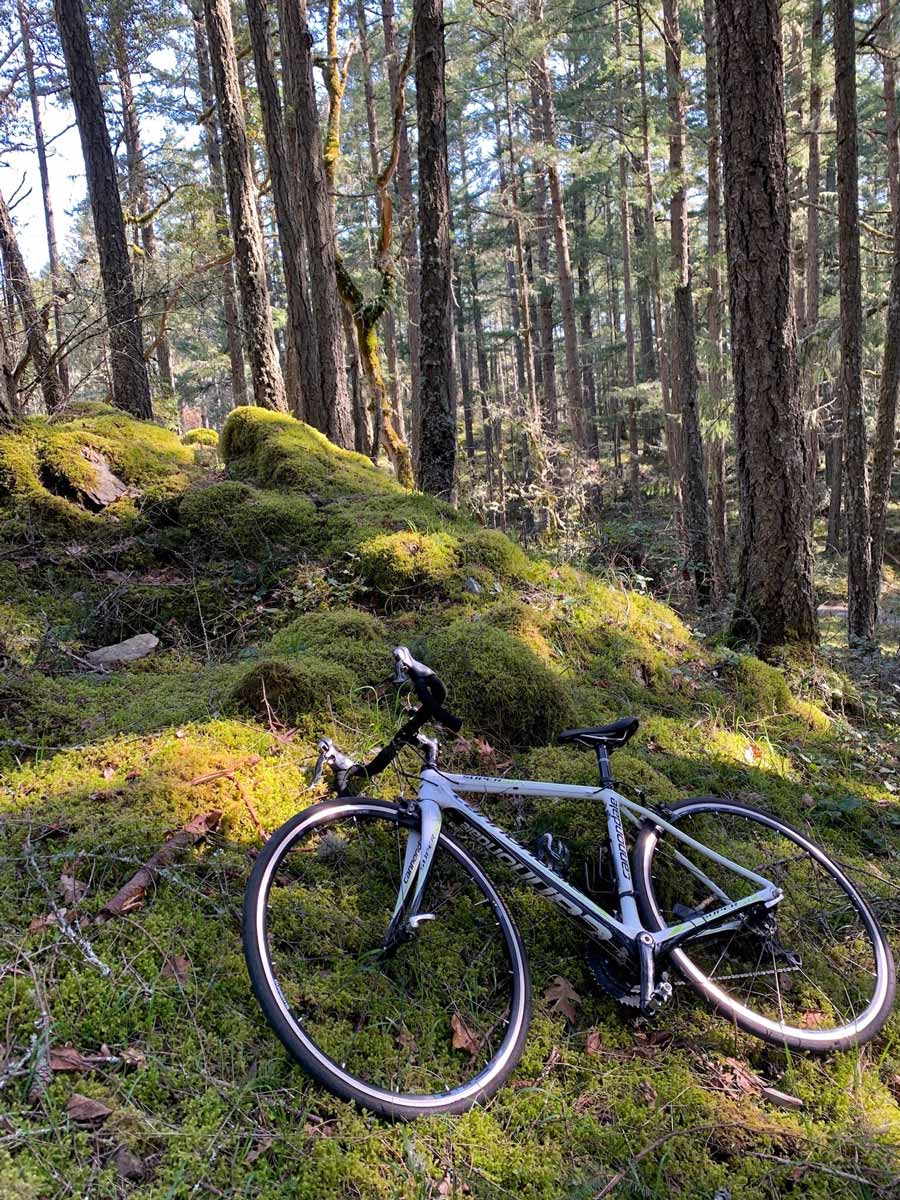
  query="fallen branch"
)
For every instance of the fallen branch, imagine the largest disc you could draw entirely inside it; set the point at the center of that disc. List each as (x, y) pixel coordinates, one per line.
(61, 921)
(229, 773)
(132, 894)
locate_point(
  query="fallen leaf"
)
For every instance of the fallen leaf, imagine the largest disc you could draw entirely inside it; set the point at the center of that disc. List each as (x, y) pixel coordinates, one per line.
(67, 1058)
(319, 1127)
(261, 1144)
(406, 1041)
(71, 889)
(133, 1056)
(752, 753)
(463, 1037)
(108, 772)
(85, 1110)
(177, 967)
(647, 1091)
(781, 1099)
(40, 923)
(562, 997)
(128, 1164)
(813, 1019)
(594, 1042)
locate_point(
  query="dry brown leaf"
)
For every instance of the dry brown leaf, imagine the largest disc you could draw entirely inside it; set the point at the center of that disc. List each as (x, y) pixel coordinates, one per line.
(45, 922)
(128, 1164)
(463, 1037)
(177, 967)
(406, 1041)
(71, 889)
(594, 1042)
(85, 1110)
(813, 1019)
(319, 1127)
(647, 1091)
(67, 1058)
(261, 1143)
(133, 1056)
(781, 1099)
(562, 997)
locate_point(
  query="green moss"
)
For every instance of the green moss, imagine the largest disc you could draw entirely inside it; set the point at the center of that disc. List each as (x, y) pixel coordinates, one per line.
(495, 551)
(761, 689)
(201, 437)
(294, 687)
(348, 636)
(233, 516)
(498, 685)
(396, 563)
(280, 452)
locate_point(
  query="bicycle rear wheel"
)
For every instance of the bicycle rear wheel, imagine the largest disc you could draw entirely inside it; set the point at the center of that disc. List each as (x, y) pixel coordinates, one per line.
(819, 977)
(435, 1025)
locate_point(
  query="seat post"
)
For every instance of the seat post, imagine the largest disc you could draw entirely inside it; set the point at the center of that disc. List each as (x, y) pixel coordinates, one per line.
(606, 779)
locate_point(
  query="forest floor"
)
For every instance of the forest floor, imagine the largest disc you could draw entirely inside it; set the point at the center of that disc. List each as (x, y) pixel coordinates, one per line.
(134, 1061)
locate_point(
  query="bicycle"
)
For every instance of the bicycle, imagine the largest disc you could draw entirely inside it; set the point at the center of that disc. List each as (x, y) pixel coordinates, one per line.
(408, 1010)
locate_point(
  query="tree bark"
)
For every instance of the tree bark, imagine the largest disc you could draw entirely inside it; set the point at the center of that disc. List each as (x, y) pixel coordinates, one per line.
(302, 375)
(813, 183)
(35, 333)
(886, 424)
(406, 216)
(130, 383)
(49, 221)
(233, 336)
(860, 605)
(549, 398)
(335, 417)
(889, 67)
(684, 380)
(249, 252)
(139, 201)
(437, 420)
(718, 516)
(775, 589)
(625, 232)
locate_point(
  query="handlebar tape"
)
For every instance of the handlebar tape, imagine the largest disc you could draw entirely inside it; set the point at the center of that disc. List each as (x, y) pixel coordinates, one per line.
(432, 693)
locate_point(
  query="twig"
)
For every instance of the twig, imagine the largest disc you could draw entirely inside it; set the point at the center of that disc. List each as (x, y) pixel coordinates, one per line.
(229, 773)
(67, 930)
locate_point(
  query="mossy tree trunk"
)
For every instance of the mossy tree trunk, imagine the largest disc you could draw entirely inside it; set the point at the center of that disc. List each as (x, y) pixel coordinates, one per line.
(130, 383)
(32, 320)
(249, 252)
(775, 590)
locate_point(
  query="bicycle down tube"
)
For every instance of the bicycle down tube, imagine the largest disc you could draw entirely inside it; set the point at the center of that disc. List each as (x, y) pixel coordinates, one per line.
(438, 795)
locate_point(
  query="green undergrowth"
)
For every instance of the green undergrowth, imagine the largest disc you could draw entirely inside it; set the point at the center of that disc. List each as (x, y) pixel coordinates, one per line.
(277, 587)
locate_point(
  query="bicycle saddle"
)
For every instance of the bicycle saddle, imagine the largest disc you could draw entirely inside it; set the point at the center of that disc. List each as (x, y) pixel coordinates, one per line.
(613, 736)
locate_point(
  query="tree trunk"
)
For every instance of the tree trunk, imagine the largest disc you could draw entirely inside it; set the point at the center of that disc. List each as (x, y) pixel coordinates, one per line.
(139, 203)
(583, 435)
(437, 420)
(302, 376)
(813, 182)
(886, 425)
(130, 384)
(249, 252)
(775, 590)
(685, 398)
(717, 511)
(481, 362)
(406, 216)
(648, 367)
(889, 67)
(625, 232)
(49, 221)
(35, 333)
(233, 336)
(860, 607)
(549, 399)
(335, 417)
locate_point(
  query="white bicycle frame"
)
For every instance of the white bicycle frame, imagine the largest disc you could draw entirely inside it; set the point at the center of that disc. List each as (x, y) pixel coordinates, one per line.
(438, 796)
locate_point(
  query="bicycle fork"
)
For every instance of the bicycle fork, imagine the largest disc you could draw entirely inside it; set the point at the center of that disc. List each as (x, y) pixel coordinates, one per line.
(418, 857)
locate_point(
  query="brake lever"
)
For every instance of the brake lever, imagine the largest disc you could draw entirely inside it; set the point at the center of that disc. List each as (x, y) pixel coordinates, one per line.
(329, 755)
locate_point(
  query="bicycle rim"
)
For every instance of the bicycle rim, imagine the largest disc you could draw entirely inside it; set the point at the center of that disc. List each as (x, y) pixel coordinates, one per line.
(432, 1026)
(820, 977)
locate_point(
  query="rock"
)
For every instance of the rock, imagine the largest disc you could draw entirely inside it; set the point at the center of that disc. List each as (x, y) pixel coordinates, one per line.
(473, 586)
(130, 650)
(107, 488)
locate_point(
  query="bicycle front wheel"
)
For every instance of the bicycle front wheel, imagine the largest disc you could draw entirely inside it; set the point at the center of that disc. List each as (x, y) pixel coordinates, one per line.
(433, 1026)
(814, 973)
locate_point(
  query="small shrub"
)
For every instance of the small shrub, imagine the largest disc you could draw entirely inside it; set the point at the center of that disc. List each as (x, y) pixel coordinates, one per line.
(295, 688)
(498, 685)
(402, 562)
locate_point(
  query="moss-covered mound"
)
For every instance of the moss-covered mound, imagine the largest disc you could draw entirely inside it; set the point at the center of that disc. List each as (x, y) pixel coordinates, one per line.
(291, 689)
(201, 437)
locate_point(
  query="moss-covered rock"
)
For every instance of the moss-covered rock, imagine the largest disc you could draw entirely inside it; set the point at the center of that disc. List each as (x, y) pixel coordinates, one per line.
(278, 451)
(498, 685)
(201, 437)
(493, 550)
(408, 563)
(761, 689)
(294, 688)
